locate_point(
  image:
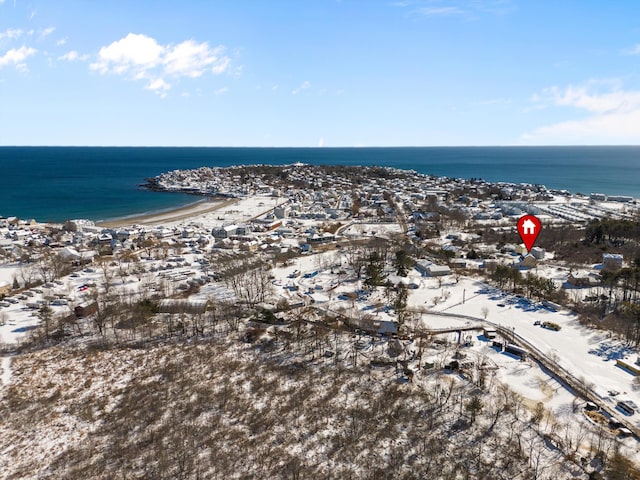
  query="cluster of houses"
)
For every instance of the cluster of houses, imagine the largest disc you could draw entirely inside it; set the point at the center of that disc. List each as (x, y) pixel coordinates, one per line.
(308, 201)
(327, 193)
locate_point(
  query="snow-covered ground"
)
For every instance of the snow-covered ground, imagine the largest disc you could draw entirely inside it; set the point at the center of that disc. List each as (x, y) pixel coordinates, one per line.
(586, 353)
(5, 366)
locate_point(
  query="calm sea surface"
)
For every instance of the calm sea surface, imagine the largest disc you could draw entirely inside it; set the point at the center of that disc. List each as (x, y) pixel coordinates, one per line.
(58, 183)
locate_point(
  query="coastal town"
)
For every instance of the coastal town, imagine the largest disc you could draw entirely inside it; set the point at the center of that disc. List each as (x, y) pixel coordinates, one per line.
(418, 278)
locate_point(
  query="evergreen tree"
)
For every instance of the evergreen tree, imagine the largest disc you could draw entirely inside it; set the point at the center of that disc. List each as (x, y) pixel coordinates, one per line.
(402, 263)
(474, 406)
(400, 302)
(374, 271)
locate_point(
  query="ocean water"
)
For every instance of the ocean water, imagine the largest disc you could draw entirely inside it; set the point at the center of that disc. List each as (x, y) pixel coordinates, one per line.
(58, 183)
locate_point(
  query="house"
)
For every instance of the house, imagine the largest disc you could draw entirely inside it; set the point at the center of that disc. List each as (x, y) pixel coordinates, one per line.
(490, 264)
(453, 250)
(620, 198)
(538, 253)
(163, 232)
(582, 280)
(71, 255)
(85, 309)
(321, 238)
(458, 263)
(438, 270)
(192, 306)
(5, 288)
(422, 266)
(282, 211)
(383, 327)
(521, 250)
(528, 261)
(489, 333)
(611, 261)
(225, 231)
(105, 238)
(509, 248)
(6, 244)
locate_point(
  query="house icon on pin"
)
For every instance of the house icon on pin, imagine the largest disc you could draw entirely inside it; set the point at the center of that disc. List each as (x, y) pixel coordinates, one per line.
(528, 227)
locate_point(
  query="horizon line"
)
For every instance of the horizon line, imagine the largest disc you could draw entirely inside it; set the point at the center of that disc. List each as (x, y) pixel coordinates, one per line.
(323, 147)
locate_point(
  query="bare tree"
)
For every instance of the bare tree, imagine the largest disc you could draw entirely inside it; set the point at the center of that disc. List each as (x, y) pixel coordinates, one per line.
(250, 282)
(27, 274)
(104, 264)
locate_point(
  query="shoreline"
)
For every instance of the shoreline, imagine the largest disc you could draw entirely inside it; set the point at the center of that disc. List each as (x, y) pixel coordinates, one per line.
(200, 207)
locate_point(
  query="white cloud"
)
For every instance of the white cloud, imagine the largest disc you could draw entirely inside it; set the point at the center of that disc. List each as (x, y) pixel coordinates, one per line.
(459, 8)
(16, 57)
(222, 65)
(222, 91)
(11, 33)
(158, 86)
(494, 101)
(613, 117)
(192, 59)
(305, 86)
(73, 56)
(61, 42)
(582, 98)
(134, 53)
(45, 32)
(635, 50)
(440, 11)
(142, 58)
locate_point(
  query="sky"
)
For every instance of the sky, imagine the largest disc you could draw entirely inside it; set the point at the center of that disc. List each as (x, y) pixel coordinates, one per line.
(320, 73)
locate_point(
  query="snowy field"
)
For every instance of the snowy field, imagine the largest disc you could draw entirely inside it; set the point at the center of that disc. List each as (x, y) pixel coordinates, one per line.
(587, 354)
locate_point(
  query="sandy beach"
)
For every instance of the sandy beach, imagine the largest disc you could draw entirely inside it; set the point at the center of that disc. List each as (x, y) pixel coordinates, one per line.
(188, 211)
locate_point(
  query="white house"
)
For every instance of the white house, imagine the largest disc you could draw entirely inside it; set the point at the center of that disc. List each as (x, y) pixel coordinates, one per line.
(224, 231)
(438, 270)
(538, 253)
(422, 266)
(612, 261)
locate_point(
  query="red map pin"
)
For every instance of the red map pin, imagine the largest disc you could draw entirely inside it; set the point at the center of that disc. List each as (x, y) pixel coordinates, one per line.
(529, 228)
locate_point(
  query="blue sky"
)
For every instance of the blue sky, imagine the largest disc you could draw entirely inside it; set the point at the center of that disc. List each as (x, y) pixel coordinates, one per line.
(320, 72)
